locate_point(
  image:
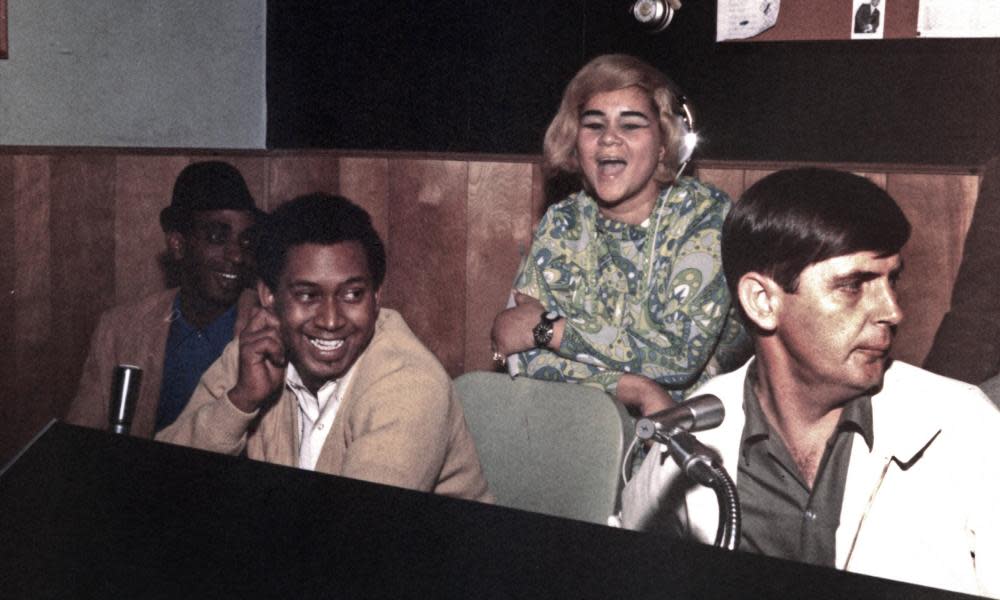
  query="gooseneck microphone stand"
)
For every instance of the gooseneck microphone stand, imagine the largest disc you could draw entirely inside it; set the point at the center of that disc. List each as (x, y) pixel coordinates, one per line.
(698, 463)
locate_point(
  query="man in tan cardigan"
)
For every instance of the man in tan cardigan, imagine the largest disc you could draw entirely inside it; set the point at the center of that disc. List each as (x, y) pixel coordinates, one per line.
(322, 377)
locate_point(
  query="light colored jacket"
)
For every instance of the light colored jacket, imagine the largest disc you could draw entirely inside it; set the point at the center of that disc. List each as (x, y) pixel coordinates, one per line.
(400, 422)
(923, 506)
(134, 334)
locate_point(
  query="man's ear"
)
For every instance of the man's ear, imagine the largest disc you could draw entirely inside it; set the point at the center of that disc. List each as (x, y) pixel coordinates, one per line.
(760, 296)
(265, 295)
(176, 244)
(378, 299)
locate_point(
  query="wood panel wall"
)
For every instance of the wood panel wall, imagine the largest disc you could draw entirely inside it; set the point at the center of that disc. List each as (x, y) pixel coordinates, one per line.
(79, 232)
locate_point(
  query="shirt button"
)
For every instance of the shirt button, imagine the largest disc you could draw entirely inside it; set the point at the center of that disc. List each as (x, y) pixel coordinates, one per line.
(320, 427)
(810, 515)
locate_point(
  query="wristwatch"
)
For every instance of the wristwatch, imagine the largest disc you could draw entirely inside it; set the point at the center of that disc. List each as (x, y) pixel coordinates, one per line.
(544, 330)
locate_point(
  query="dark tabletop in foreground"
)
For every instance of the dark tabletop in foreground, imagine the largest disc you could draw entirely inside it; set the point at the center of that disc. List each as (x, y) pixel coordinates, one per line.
(87, 514)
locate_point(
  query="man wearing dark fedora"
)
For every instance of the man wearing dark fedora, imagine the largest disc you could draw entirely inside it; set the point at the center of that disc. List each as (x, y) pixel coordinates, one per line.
(174, 335)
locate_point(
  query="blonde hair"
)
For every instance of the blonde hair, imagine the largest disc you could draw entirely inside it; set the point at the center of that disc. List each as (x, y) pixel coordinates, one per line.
(608, 73)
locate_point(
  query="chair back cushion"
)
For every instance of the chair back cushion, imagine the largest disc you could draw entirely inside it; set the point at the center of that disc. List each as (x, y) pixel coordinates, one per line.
(548, 447)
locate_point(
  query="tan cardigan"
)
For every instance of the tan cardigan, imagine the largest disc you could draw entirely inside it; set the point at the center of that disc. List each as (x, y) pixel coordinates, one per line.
(400, 422)
(134, 334)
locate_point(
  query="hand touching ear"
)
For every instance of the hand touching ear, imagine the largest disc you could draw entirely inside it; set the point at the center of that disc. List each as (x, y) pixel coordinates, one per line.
(262, 361)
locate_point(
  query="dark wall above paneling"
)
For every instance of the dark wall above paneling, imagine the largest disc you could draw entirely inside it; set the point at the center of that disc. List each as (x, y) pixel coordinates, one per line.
(469, 76)
(441, 75)
(930, 101)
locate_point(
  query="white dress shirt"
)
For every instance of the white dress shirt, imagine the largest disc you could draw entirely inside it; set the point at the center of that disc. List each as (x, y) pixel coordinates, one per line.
(316, 413)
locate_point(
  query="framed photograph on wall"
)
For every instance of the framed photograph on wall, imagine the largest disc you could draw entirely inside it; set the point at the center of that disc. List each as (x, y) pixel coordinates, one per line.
(3, 28)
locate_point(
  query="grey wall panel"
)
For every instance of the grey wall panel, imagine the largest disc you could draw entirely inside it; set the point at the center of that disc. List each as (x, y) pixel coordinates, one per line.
(164, 73)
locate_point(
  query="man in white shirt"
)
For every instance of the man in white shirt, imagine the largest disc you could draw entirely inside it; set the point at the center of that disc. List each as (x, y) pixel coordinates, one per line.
(323, 377)
(842, 457)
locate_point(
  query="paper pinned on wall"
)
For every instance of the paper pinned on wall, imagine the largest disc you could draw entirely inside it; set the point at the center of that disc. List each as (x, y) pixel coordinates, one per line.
(741, 19)
(958, 18)
(869, 19)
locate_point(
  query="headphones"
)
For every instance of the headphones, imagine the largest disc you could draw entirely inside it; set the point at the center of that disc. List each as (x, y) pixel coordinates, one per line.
(689, 140)
(653, 15)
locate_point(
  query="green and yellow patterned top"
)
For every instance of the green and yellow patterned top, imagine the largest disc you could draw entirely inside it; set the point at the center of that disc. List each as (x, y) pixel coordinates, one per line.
(677, 327)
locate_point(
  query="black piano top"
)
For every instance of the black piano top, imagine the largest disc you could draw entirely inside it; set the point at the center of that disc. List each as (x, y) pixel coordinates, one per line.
(87, 514)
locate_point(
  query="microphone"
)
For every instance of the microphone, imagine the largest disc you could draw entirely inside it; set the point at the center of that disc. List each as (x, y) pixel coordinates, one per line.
(673, 428)
(124, 392)
(702, 412)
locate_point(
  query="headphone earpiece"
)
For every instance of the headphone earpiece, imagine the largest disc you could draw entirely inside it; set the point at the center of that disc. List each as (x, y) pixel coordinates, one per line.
(689, 139)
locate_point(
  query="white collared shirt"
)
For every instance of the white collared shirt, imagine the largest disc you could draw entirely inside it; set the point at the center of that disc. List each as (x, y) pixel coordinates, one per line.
(316, 413)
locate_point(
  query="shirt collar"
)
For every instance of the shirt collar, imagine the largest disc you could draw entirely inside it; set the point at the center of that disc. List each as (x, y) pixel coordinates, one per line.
(608, 226)
(220, 329)
(311, 404)
(856, 417)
